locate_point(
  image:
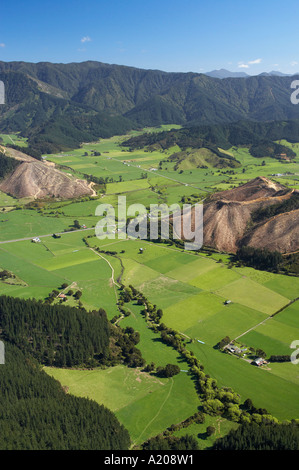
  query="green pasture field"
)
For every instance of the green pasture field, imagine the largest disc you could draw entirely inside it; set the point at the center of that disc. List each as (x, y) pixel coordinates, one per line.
(24, 223)
(171, 404)
(269, 339)
(165, 291)
(197, 266)
(6, 200)
(199, 431)
(217, 277)
(253, 295)
(127, 186)
(284, 285)
(151, 346)
(145, 404)
(226, 321)
(275, 393)
(47, 265)
(136, 273)
(14, 139)
(276, 334)
(39, 281)
(186, 314)
(286, 371)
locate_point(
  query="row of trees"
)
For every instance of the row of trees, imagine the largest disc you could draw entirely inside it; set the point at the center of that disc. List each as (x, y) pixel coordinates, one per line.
(215, 400)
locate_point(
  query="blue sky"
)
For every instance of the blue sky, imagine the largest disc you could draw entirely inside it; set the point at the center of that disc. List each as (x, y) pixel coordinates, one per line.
(175, 36)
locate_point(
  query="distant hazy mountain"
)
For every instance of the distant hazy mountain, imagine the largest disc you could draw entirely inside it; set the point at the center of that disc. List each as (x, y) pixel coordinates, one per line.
(276, 73)
(223, 73)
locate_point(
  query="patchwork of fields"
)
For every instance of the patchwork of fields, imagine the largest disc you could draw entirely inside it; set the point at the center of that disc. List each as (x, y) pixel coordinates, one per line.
(191, 289)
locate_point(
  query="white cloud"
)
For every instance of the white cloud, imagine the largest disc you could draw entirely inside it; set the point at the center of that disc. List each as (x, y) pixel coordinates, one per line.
(294, 63)
(256, 61)
(2, 44)
(243, 65)
(86, 39)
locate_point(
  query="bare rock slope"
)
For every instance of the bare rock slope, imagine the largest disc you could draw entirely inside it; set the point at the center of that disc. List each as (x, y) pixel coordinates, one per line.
(36, 179)
(227, 220)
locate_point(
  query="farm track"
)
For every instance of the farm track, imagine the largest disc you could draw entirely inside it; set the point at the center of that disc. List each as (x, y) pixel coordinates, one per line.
(163, 176)
(112, 280)
(158, 412)
(44, 236)
(110, 265)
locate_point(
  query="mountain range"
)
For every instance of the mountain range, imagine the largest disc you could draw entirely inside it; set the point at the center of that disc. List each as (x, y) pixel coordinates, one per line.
(58, 106)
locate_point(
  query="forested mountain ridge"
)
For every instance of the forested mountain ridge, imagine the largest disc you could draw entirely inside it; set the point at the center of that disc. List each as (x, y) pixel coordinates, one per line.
(259, 137)
(61, 105)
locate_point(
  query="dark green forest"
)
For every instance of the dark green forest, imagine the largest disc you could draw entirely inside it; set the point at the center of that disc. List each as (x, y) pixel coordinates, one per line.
(259, 258)
(265, 213)
(55, 335)
(266, 260)
(171, 443)
(261, 437)
(258, 136)
(37, 414)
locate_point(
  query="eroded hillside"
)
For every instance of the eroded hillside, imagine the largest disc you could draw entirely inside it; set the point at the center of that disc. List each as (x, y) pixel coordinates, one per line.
(37, 179)
(228, 222)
